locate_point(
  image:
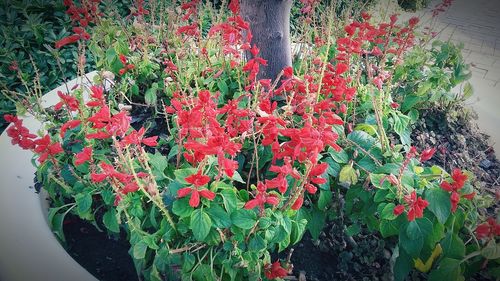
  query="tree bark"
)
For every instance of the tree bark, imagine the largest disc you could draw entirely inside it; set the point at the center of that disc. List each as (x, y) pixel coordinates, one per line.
(270, 26)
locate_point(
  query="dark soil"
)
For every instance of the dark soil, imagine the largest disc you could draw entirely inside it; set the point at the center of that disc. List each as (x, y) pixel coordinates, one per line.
(105, 257)
(334, 256)
(460, 145)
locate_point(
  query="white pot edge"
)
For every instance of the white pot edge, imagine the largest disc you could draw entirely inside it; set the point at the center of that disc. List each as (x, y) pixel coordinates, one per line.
(28, 248)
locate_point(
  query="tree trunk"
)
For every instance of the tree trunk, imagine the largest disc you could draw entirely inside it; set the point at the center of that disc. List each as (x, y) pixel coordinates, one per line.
(270, 26)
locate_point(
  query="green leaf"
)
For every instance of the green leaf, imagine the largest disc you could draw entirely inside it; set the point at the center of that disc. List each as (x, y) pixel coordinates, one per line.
(316, 223)
(83, 202)
(134, 89)
(411, 245)
(237, 177)
(453, 246)
(388, 212)
(150, 96)
(220, 218)
(468, 91)
(348, 175)
(200, 224)
(389, 228)
(110, 221)
(439, 203)
(339, 156)
(353, 229)
(376, 179)
(448, 269)
(244, 219)
(139, 251)
(403, 265)
(298, 229)
(257, 243)
(229, 200)
(181, 208)
(159, 163)
(325, 198)
(223, 87)
(363, 139)
(491, 251)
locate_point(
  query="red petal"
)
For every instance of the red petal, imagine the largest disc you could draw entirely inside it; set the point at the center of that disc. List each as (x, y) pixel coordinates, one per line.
(183, 192)
(67, 40)
(194, 201)
(207, 194)
(251, 204)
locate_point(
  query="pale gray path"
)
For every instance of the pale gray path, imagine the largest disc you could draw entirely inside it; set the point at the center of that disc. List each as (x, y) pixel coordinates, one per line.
(476, 24)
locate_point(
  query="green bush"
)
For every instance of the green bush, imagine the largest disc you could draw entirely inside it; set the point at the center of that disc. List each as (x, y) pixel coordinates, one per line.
(28, 32)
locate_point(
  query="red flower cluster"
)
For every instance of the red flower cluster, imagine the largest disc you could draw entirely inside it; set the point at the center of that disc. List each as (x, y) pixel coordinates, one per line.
(81, 16)
(382, 42)
(308, 6)
(441, 7)
(190, 9)
(84, 156)
(262, 198)
(126, 66)
(458, 181)
(124, 181)
(19, 134)
(201, 133)
(415, 204)
(197, 180)
(67, 100)
(488, 229)
(46, 148)
(273, 271)
(427, 154)
(139, 9)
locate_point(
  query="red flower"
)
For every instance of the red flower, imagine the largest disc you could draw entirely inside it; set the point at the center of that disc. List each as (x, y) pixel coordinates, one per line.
(123, 59)
(298, 203)
(196, 180)
(458, 181)
(83, 156)
(427, 154)
(488, 229)
(68, 100)
(288, 71)
(399, 209)
(416, 206)
(394, 105)
(234, 6)
(261, 198)
(67, 40)
(454, 198)
(45, 148)
(275, 270)
(71, 124)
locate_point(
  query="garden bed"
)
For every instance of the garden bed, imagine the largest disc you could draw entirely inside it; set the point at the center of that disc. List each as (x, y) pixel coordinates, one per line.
(335, 256)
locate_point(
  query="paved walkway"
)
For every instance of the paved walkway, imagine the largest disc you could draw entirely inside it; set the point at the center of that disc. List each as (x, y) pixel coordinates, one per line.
(476, 24)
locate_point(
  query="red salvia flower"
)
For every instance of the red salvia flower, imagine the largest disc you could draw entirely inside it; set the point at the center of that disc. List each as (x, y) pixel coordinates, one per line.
(84, 156)
(416, 206)
(458, 180)
(45, 148)
(489, 229)
(275, 270)
(427, 154)
(197, 180)
(398, 210)
(71, 124)
(261, 198)
(69, 101)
